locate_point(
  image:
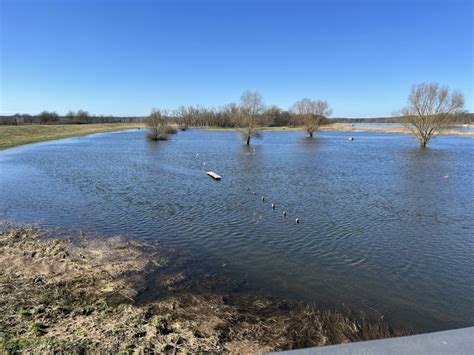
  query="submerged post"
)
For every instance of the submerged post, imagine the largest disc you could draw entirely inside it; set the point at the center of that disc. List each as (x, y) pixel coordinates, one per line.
(213, 175)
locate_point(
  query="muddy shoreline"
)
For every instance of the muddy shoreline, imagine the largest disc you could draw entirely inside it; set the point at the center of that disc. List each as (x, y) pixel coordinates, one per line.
(90, 294)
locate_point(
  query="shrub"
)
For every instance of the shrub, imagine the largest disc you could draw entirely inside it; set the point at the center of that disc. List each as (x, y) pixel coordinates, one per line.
(170, 130)
(156, 134)
(158, 130)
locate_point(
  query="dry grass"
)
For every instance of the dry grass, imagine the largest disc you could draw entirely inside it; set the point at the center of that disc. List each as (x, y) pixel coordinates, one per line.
(59, 296)
(11, 136)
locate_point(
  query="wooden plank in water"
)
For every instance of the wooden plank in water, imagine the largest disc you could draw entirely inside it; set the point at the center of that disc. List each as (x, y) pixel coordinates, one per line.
(213, 175)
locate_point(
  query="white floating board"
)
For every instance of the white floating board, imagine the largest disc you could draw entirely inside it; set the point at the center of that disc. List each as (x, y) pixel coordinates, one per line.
(213, 175)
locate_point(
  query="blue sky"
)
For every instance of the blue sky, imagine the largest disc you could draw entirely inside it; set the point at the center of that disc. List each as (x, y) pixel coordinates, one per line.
(126, 57)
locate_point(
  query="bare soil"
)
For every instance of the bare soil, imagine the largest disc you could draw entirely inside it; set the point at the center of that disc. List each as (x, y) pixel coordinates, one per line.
(81, 295)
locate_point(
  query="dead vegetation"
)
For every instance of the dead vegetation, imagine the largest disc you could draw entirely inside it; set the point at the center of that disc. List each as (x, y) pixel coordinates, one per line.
(63, 296)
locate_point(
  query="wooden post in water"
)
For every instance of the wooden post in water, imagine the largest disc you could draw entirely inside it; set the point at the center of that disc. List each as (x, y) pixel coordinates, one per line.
(213, 175)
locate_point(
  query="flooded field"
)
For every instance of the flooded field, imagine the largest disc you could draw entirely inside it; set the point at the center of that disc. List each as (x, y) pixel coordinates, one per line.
(385, 227)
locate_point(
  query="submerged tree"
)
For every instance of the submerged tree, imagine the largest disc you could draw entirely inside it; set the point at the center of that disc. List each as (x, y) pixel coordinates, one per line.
(430, 108)
(157, 128)
(251, 105)
(311, 114)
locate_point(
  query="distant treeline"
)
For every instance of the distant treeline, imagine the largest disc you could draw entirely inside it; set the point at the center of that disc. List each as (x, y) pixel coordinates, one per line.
(79, 117)
(227, 116)
(196, 116)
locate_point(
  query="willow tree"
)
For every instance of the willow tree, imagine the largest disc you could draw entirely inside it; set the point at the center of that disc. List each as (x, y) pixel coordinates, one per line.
(156, 124)
(430, 109)
(311, 114)
(251, 105)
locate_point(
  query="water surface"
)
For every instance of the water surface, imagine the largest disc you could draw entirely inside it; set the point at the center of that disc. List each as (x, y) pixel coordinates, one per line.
(459, 127)
(385, 226)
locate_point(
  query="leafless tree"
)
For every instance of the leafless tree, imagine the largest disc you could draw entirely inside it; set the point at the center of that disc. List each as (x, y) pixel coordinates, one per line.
(228, 115)
(70, 116)
(275, 117)
(48, 117)
(430, 108)
(81, 117)
(311, 114)
(156, 123)
(182, 117)
(251, 105)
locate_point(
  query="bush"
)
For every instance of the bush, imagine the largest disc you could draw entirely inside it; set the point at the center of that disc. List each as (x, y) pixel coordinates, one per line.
(170, 130)
(156, 134)
(158, 130)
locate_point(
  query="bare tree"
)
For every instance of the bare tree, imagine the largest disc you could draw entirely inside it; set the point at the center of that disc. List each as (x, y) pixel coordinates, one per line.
(430, 108)
(70, 115)
(228, 115)
(47, 117)
(81, 116)
(182, 117)
(311, 114)
(276, 117)
(156, 124)
(251, 106)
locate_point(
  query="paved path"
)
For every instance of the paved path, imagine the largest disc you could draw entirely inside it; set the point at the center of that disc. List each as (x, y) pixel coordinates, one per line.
(459, 341)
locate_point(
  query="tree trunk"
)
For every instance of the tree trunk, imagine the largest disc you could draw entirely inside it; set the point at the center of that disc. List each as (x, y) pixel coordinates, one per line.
(248, 139)
(310, 134)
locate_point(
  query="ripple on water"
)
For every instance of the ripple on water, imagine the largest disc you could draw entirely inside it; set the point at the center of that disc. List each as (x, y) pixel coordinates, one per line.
(381, 228)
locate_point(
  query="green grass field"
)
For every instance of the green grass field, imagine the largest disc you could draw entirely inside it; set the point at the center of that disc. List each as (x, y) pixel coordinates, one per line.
(12, 136)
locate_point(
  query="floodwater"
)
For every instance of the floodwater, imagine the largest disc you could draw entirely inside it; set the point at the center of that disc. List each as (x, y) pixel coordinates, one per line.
(462, 128)
(385, 227)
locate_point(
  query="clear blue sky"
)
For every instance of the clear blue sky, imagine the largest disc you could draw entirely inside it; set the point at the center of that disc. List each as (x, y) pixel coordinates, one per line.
(126, 57)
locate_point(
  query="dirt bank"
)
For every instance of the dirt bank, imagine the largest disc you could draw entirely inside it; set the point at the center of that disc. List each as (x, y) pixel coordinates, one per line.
(80, 295)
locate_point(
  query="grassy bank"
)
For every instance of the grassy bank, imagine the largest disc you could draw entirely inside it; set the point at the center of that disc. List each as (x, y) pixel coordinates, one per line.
(11, 136)
(86, 295)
